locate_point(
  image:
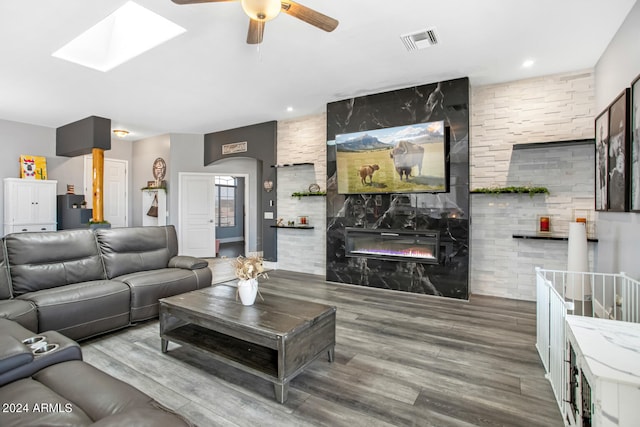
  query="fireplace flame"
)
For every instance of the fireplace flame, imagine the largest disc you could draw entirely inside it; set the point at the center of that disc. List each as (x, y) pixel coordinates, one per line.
(394, 245)
(405, 253)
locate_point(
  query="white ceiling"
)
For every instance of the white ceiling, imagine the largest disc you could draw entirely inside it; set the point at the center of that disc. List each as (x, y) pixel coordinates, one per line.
(208, 79)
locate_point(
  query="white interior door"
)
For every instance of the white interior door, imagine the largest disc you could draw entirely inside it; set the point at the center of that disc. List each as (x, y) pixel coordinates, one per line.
(197, 215)
(115, 197)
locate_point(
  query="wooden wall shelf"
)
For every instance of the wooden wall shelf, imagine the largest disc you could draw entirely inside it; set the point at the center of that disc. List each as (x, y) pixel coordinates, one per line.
(318, 194)
(548, 237)
(287, 165)
(553, 144)
(301, 227)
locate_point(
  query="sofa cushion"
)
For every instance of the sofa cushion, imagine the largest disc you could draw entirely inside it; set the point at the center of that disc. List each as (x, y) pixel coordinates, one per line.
(23, 312)
(58, 412)
(143, 417)
(77, 394)
(5, 284)
(147, 287)
(97, 393)
(81, 310)
(129, 250)
(188, 262)
(47, 260)
(103, 397)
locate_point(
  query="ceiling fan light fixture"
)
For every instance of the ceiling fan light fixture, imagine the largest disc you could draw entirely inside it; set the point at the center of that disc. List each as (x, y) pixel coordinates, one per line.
(261, 10)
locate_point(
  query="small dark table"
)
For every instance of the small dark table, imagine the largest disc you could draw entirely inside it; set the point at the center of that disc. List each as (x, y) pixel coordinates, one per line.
(274, 339)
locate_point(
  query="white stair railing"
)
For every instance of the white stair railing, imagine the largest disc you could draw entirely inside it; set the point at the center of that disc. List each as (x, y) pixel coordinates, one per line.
(609, 296)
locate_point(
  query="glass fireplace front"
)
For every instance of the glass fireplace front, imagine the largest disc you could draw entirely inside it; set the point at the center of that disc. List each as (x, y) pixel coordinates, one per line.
(393, 245)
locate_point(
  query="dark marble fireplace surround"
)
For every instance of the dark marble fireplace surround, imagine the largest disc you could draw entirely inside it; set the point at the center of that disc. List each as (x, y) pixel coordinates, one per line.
(444, 214)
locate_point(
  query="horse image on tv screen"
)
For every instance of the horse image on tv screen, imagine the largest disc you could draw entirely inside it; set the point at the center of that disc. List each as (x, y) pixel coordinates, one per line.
(401, 159)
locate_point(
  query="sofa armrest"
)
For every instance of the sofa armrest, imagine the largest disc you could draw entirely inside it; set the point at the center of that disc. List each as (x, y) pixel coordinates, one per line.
(188, 262)
(13, 354)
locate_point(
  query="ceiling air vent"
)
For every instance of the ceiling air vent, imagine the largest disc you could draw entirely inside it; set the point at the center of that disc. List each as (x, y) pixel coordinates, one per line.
(420, 39)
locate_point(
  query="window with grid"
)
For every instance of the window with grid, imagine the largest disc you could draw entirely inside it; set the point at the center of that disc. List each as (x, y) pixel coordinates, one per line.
(226, 187)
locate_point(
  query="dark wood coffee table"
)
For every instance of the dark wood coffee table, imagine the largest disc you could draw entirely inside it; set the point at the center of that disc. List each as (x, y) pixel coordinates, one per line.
(274, 339)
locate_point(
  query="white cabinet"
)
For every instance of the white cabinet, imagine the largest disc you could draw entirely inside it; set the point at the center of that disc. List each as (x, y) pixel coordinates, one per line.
(604, 372)
(154, 207)
(29, 205)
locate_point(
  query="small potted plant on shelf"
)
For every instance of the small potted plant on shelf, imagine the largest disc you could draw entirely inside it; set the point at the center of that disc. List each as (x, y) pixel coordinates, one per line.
(511, 190)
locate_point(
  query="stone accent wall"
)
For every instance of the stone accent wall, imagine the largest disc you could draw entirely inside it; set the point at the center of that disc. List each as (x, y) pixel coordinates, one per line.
(546, 109)
(302, 140)
(550, 108)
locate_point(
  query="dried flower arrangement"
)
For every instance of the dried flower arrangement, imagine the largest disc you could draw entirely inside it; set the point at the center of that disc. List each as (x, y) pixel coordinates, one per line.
(249, 268)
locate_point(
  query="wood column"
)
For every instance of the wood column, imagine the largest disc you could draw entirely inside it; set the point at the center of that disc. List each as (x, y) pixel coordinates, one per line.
(98, 184)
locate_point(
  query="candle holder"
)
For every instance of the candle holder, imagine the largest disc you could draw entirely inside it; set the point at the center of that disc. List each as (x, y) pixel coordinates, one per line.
(583, 216)
(544, 224)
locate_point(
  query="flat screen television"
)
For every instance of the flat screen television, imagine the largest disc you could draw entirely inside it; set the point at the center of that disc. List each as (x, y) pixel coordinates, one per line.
(402, 159)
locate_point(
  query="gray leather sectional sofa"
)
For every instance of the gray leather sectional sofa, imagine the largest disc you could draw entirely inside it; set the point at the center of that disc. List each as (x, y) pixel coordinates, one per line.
(82, 283)
(56, 388)
(57, 287)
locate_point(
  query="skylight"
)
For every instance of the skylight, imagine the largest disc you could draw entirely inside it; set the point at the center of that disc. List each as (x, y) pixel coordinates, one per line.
(126, 33)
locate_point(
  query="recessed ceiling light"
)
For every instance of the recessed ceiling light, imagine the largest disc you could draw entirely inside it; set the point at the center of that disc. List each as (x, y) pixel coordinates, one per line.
(289, 109)
(125, 34)
(528, 63)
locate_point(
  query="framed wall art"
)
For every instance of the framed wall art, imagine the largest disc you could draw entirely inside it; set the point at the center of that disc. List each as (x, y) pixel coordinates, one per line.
(602, 145)
(33, 167)
(635, 145)
(618, 159)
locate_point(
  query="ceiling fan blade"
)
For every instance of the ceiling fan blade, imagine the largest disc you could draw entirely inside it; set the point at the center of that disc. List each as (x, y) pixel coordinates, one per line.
(199, 1)
(256, 31)
(309, 15)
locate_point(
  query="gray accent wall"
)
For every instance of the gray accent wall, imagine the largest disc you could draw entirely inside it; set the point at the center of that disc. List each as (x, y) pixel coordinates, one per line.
(261, 148)
(618, 232)
(186, 155)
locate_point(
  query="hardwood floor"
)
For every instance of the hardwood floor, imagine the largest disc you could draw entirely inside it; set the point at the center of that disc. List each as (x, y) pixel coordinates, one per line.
(400, 360)
(231, 249)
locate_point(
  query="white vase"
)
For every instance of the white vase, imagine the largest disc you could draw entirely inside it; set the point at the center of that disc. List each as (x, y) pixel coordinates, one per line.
(248, 289)
(578, 286)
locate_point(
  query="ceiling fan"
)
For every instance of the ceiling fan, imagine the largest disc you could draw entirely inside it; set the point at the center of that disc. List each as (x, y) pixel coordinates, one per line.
(261, 11)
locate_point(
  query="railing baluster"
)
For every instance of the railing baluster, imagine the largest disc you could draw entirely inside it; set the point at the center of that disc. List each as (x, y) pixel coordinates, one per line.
(552, 309)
